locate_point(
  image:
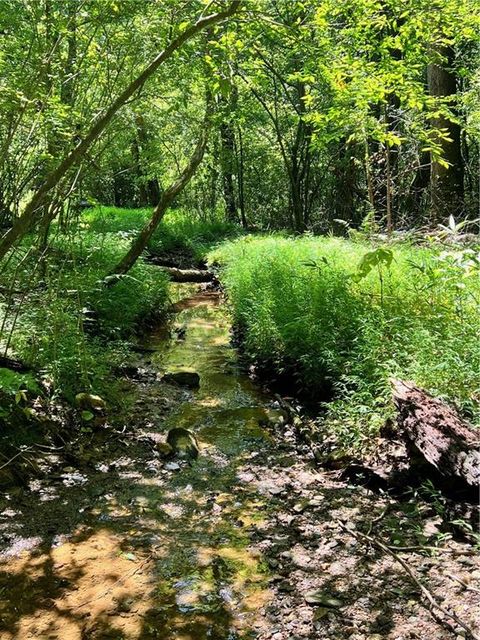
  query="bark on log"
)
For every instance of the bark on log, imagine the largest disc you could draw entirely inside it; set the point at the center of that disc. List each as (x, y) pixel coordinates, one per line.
(188, 275)
(445, 440)
(14, 365)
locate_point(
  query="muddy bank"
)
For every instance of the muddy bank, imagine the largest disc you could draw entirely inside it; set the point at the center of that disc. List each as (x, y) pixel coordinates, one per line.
(247, 542)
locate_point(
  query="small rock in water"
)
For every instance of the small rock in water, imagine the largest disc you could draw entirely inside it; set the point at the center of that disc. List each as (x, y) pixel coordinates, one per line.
(226, 595)
(183, 443)
(189, 379)
(164, 449)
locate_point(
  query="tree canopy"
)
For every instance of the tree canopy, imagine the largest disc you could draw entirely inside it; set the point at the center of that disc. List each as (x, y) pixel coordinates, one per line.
(324, 114)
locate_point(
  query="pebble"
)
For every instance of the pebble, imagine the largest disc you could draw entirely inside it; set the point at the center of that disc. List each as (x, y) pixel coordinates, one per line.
(467, 561)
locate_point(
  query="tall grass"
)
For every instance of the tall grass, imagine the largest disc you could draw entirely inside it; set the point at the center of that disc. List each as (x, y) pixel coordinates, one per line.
(178, 231)
(312, 307)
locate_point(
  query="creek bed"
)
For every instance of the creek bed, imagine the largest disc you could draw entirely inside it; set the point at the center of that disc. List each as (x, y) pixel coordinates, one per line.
(146, 547)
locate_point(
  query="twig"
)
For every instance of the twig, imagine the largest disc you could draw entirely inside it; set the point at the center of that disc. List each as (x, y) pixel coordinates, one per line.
(457, 552)
(378, 518)
(464, 584)
(44, 446)
(15, 456)
(427, 594)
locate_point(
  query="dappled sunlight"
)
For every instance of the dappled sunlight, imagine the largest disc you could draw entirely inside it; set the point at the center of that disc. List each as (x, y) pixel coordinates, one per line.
(246, 537)
(78, 585)
(163, 554)
(239, 302)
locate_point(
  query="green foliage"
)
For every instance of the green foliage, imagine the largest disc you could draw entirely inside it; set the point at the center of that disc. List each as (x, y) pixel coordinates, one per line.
(54, 332)
(182, 231)
(347, 316)
(377, 258)
(178, 231)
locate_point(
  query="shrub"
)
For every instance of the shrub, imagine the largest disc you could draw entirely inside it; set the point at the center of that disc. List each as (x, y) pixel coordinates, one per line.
(49, 330)
(346, 316)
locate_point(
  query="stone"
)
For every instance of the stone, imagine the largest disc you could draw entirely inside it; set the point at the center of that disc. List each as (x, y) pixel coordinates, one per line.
(275, 490)
(183, 443)
(320, 598)
(185, 378)
(90, 402)
(164, 449)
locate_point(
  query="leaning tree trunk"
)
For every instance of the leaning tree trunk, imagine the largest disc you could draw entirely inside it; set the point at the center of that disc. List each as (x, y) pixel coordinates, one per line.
(32, 211)
(446, 181)
(438, 433)
(166, 200)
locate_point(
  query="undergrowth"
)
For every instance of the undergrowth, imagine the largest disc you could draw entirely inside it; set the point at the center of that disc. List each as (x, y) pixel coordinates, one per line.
(62, 320)
(69, 326)
(343, 317)
(178, 231)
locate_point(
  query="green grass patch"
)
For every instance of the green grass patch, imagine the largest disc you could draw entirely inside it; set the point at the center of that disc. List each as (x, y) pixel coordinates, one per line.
(344, 317)
(178, 232)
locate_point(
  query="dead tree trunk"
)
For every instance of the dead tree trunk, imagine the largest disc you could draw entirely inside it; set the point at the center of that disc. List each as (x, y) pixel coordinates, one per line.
(438, 433)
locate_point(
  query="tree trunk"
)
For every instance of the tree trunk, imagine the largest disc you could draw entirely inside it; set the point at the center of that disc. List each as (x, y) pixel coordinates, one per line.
(166, 199)
(344, 204)
(446, 182)
(300, 160)
(438, 433)
(149, 187)
(241, 179)
(227, 135)
(6, 216)
(32, 211)
(228, 148)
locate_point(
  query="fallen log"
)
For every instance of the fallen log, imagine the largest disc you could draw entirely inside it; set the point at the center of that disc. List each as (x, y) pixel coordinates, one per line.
(14, 365)
(188, 275)
(437, 432)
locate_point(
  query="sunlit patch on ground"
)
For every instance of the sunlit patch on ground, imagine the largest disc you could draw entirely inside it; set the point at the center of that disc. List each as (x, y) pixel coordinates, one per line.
(89, 584)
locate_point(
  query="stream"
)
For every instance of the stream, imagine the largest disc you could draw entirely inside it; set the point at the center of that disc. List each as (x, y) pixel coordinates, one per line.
(248, 541)
(162, 548)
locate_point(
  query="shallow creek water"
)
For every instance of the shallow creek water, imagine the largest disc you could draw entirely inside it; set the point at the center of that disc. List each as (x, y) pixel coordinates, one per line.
(154, 548)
